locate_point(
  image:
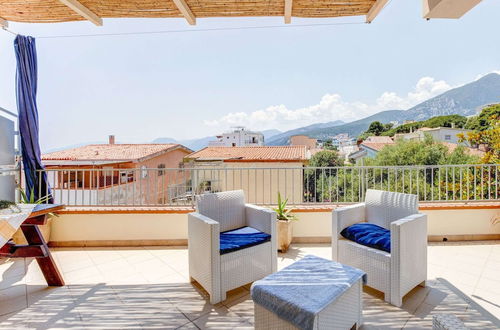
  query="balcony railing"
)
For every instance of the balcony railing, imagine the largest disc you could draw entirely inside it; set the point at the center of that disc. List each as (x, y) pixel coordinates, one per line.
(301, 185)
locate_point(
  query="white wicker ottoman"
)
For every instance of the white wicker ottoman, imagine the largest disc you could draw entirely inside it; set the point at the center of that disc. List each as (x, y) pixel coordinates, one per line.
(312, 293)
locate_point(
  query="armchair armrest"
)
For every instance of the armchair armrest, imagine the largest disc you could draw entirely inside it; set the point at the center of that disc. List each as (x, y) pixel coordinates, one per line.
(345, 216)
(203, 247)
(261, 218)
(264, 220)
(408, 254)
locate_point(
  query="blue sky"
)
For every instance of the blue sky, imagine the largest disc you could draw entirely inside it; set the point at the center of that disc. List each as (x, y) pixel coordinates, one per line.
(193, 84)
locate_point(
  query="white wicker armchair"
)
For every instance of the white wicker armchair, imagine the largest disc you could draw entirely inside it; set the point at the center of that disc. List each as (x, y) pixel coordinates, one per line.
(218, 273)
(405, 267)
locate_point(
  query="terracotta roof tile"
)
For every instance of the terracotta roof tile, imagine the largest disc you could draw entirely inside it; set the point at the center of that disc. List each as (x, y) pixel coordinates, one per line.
(469, 150)
(378, 139)
(376, 146)
(109, 152)
(246, 154)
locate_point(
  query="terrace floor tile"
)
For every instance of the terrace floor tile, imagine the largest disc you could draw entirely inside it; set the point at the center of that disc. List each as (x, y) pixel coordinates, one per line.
(149, 288)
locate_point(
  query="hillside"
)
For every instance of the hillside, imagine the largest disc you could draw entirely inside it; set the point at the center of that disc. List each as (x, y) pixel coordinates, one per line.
(322, 132)
(456, 121)
(279, 138)
(465, 101)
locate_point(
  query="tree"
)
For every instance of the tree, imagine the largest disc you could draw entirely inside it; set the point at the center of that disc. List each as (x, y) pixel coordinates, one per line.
(328, 145)
(427, 152)
(439, 121)
(313, 177)
(388, 126)
(326, 158)
(428, 182)
(446, 121)
(376, 128)
(486, 118)
(486, 132)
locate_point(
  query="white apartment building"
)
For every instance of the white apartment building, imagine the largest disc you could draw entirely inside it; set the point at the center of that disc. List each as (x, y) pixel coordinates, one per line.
(238, 137)
(439, 134)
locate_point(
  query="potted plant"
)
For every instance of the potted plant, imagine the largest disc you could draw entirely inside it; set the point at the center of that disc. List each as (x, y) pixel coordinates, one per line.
(284, 218)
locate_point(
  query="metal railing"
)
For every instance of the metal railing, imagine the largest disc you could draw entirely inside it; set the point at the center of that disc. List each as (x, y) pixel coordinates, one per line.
(301, 185)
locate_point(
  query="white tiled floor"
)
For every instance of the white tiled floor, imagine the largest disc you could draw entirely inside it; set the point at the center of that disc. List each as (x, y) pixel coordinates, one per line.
(137, 288)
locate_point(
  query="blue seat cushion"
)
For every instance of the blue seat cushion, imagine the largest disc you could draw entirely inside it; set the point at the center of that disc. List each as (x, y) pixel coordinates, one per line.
(237, 239)
(370, 235)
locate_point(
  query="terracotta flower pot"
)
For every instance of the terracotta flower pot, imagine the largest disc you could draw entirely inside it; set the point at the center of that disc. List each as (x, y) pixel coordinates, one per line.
(284, 235)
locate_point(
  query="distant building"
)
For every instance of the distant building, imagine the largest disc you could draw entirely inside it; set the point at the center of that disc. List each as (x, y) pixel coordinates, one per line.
(373, 144)
(101, 173)
(439, 134)
(471, 151)
(303, 140)
(339, 141)
(238, 137)
(347, 150)
(261, 172)
(343, 140)
(370, 147)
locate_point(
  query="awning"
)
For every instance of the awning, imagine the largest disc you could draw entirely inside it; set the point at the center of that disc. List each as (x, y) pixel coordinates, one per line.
(50, 11)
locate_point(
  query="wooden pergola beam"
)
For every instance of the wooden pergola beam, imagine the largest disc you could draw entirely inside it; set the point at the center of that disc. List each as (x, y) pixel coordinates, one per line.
(288, 11)
(83, 11)
(375, 10)
(447, 8)
(185, 11)
(4, 23)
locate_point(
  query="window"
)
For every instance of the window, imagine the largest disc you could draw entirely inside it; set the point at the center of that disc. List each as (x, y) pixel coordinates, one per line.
(447, 137)
(123, 177)
(181, 166)
(144, 172)
(161, 170)
(107, 171)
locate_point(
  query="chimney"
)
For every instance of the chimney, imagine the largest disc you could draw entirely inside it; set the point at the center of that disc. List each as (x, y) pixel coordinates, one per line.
(111, 139)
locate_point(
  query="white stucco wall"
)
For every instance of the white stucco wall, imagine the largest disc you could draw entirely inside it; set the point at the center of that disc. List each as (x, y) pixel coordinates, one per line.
(98, 227)
(168, 226)
(7, 157)
(261, 181)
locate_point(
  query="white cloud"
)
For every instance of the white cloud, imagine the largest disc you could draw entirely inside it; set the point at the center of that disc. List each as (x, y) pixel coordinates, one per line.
(330, 107)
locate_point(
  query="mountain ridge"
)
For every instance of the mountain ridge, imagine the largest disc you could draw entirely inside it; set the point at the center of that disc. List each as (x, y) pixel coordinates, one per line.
(464, 100)
(301, 130)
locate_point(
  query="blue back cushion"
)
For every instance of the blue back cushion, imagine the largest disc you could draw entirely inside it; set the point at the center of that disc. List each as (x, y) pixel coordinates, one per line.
(369, 234)
(237, 239)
